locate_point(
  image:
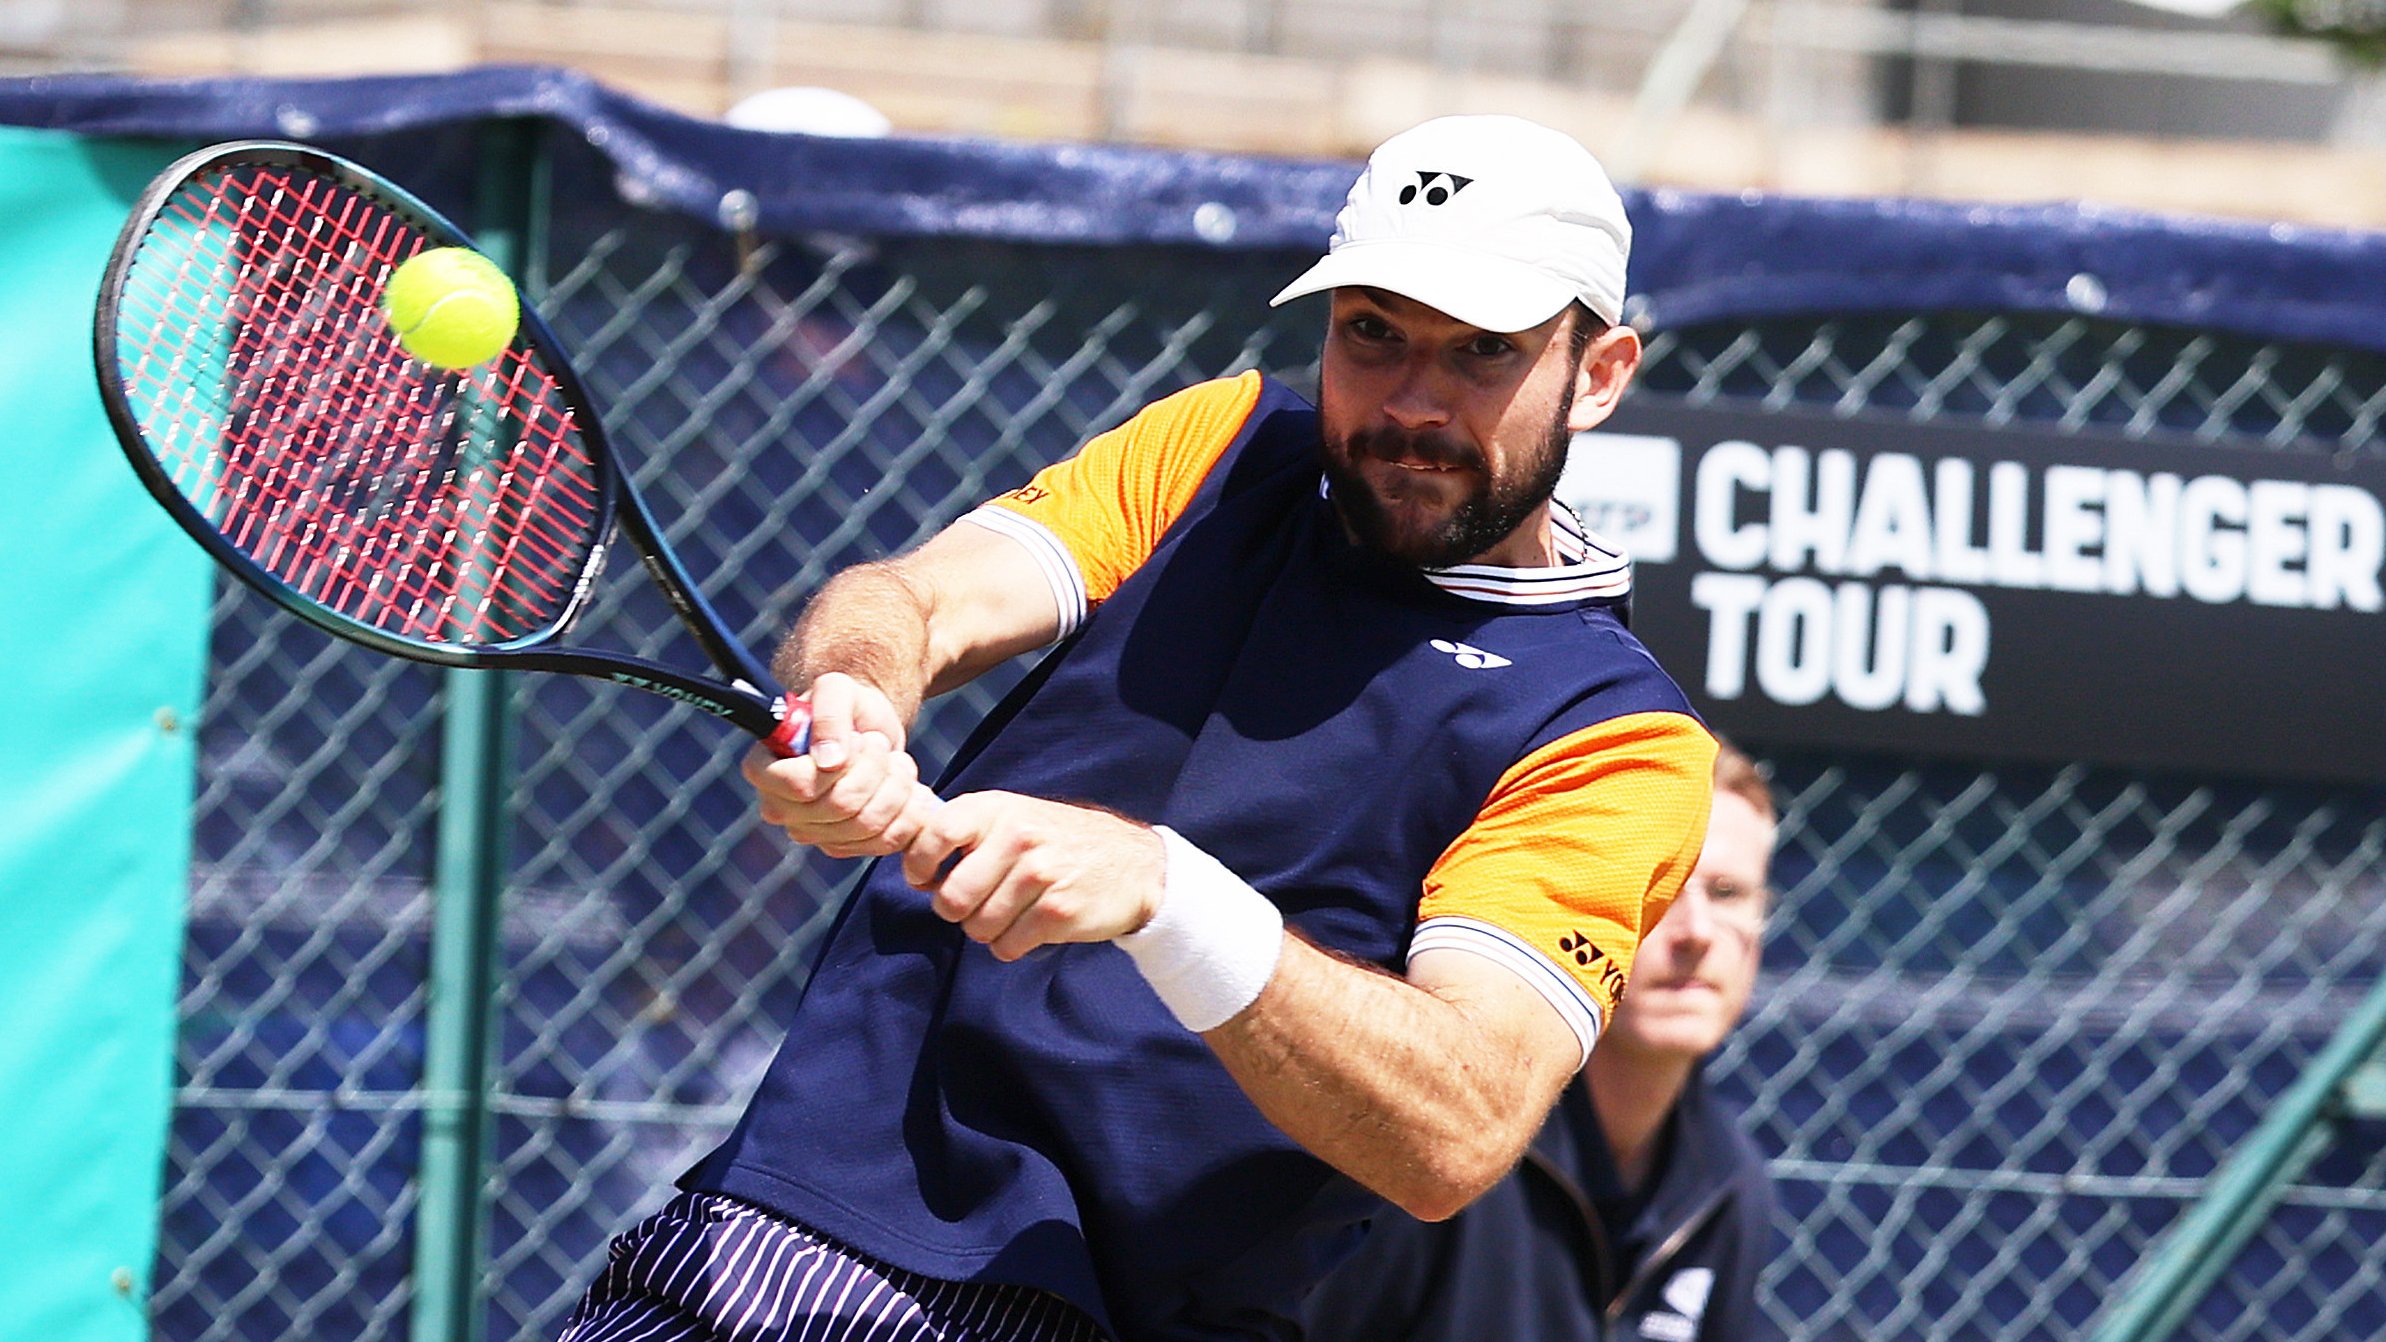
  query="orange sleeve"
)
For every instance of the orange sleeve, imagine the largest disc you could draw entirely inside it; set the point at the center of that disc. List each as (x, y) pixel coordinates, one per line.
(1108, 505)
(1580, 848)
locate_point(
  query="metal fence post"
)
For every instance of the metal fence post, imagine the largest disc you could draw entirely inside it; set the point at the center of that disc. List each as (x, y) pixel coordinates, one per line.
(2243, 1190)
(476, 762)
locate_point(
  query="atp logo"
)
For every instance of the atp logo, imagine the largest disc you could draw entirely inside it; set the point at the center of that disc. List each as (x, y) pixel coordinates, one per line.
(1686, 1296)
(1599, 962)
(1435, 188)
(1473, 659)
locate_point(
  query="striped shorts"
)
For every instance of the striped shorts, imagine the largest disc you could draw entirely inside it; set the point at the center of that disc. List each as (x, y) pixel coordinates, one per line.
(708, 1268)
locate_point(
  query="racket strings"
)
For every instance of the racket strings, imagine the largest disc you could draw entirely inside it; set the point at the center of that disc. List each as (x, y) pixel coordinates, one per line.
(447, 507)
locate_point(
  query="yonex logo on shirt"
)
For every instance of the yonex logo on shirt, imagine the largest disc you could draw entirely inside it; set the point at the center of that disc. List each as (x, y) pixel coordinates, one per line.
(1473, 659)
(1587, 954)
(1436, 187)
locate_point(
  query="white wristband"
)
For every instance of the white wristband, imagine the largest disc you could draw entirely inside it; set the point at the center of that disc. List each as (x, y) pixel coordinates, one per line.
(1213, 943)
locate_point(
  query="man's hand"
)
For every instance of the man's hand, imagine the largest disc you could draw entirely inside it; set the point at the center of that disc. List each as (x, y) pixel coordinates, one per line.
(844, 708)
(1032, 873)
(856, 792)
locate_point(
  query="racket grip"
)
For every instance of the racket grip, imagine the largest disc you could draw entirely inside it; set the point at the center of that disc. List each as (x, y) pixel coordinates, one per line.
(793, 735)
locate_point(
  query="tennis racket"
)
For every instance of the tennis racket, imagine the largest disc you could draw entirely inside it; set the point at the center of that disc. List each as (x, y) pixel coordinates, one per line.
(457, 517)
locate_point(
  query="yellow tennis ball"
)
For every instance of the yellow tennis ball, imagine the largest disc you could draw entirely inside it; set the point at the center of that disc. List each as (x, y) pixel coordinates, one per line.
(452, 307)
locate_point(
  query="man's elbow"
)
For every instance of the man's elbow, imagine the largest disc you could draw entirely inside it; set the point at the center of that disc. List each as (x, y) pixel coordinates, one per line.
(1436, 1209)
(1446, 1185)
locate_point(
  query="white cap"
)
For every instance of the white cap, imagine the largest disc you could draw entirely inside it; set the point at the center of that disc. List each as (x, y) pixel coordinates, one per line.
(1494, 220)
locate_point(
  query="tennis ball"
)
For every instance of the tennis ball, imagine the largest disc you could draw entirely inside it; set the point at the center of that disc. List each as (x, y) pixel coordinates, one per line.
(452, 307)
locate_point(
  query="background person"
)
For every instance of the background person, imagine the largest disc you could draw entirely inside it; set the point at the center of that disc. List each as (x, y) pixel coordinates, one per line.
(1642, 1210)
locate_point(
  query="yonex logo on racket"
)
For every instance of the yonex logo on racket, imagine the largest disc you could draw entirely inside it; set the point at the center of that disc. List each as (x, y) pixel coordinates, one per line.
(1473, 659)
(1434, 188)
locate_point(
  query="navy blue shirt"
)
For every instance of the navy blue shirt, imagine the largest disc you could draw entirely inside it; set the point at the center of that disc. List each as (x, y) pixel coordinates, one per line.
(1559, 1251)
(1274, 694)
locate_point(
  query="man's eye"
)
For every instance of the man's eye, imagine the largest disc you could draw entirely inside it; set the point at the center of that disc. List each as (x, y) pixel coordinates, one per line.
(1370, 328)
(1488, 347)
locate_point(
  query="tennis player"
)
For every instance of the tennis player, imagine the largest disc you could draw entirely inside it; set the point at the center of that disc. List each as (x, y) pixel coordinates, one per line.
(1299, 877)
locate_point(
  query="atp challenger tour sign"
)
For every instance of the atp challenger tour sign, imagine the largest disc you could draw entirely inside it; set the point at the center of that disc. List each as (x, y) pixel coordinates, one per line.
(2009, 593)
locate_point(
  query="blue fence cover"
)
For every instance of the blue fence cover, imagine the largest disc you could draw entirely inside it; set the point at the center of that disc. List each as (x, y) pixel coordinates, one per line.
(1697, 257)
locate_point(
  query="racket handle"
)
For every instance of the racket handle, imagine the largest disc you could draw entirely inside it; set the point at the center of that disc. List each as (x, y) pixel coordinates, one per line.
(793, 736)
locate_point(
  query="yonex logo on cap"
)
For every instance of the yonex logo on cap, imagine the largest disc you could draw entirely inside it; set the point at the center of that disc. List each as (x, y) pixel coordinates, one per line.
(1437, 188)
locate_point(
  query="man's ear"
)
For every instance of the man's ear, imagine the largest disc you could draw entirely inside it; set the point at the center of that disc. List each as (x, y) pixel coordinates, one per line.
(1607, 366)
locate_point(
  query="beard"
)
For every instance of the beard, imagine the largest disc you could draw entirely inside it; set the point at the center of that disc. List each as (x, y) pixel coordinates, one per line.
(1492, 510)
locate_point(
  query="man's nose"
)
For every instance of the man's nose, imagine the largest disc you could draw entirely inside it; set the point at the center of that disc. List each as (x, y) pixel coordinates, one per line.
(1420, 399)
(1692, 920)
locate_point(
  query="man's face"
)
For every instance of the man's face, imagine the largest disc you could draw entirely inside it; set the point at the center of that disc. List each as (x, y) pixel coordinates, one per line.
(1691, 980)
(1443, 440)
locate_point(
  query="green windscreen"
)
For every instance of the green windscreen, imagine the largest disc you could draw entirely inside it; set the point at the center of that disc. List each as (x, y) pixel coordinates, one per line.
(103, 626)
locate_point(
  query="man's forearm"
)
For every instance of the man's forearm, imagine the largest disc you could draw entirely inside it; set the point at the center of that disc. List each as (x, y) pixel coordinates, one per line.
(924, 622)
(871, 623)
(1425, 1095)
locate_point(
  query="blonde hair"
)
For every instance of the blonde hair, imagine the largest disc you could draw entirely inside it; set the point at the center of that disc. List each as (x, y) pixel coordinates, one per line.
(1737, 774)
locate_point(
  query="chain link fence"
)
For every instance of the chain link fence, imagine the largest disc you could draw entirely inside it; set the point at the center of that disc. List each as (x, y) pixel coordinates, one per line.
(2013, 1016)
